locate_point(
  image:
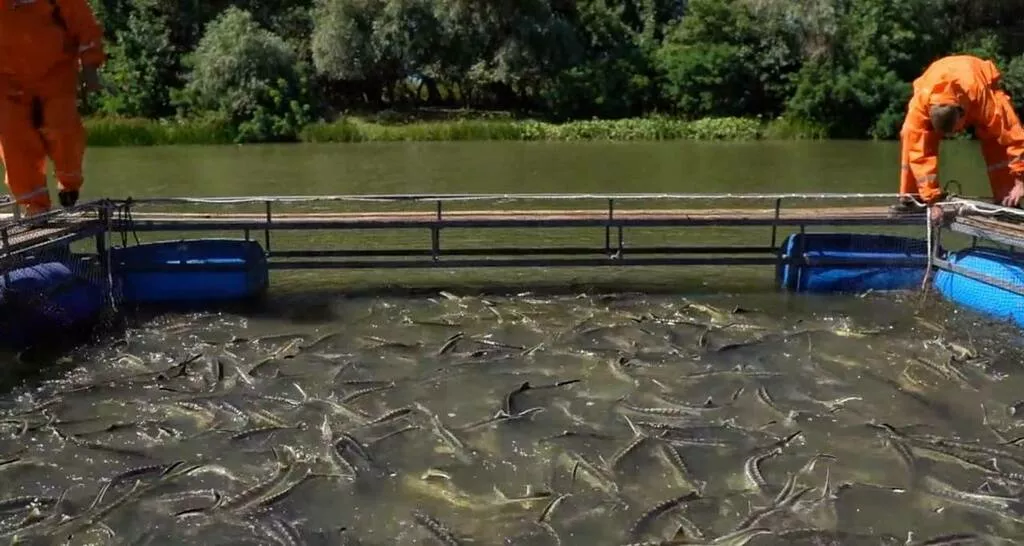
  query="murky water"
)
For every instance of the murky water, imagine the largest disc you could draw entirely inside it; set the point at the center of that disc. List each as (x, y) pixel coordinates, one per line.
(526, 419)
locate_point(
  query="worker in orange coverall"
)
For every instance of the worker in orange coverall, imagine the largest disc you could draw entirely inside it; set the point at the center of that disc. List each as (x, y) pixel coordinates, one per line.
(955, 92)
(44, 46)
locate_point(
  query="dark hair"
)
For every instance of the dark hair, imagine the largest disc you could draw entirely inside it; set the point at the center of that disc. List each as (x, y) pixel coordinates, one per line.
(944, 117)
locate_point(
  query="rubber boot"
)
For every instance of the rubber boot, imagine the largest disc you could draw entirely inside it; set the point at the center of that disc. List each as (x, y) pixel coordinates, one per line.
(68, 198)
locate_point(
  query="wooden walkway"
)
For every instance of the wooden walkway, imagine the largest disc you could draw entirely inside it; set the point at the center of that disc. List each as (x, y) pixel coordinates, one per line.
(28, 236)
(837, 216)
(17, 236)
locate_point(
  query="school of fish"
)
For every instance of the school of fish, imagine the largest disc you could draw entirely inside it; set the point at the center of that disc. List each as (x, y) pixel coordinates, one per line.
(526, 420)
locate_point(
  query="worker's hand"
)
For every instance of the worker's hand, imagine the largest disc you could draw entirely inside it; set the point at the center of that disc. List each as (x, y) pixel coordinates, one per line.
(1013, 199)
(91, 79)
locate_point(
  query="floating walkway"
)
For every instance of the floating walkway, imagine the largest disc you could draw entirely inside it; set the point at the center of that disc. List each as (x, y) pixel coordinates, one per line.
(616, 214)
(193, 259)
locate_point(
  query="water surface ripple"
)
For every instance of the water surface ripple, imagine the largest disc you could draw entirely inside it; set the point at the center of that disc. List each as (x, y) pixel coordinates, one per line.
(527, 420)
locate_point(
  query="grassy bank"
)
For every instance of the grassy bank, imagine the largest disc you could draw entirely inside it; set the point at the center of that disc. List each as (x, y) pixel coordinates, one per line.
(142, 132)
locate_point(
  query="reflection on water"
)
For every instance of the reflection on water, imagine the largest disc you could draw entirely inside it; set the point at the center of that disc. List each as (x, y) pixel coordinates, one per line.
(526, 420)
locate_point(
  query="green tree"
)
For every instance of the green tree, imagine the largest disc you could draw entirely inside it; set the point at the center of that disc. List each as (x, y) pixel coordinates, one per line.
(1013, 82)
(844, 66)
(611, 72)
(720, 61)
(862, 89)
(143, 65)
(249, 76)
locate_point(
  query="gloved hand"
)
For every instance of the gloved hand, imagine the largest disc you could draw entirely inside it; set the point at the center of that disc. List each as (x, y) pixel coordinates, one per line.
(68, 198)
(1013, 199)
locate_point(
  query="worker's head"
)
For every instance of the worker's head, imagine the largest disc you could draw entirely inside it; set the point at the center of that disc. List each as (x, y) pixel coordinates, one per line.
(945, 117)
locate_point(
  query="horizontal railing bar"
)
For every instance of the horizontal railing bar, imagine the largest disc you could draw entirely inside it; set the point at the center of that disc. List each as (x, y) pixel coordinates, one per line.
(512, 262)
(444, 197)
(518, 251)
(294, 224)
(454, 264)
(516, 262)
(568, 262)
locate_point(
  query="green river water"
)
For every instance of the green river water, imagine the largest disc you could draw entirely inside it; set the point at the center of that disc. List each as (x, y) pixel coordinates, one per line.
(523, 407)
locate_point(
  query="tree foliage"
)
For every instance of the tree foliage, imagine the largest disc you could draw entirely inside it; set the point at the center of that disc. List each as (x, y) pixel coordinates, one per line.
(268, 66)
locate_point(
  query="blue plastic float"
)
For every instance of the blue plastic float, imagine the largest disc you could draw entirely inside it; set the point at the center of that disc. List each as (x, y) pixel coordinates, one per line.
(190, 271)
(870, 265)
(44, 300)
(985, 298)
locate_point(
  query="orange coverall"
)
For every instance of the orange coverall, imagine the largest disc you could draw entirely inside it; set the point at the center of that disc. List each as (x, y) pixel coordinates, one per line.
(973, 84)
(42, 43)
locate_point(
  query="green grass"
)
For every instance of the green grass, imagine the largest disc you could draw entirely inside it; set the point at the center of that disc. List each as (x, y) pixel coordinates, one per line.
(146, 132)
(142, 132)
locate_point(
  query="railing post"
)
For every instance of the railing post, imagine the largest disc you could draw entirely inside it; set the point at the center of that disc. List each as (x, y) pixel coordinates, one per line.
(802, 253)
(108, 261)
(775, 221)
(435, 234)
(608, 228)
(266, 230)
(622, 244)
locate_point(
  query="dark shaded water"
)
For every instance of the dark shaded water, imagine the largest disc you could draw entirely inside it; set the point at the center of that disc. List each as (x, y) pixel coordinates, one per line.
(528, 420)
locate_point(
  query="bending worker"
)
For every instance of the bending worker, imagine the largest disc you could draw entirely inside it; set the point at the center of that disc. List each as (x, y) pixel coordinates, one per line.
(42, 45)
(952, 93)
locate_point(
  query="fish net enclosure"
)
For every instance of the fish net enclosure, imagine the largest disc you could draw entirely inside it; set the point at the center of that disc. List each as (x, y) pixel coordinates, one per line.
(625, 417)
(53, 286)
(977, 259)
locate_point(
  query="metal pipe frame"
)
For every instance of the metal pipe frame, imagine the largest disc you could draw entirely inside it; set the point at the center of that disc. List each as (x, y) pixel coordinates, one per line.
(613, 220)
(13, 252)
(107, 217)
(963, 224)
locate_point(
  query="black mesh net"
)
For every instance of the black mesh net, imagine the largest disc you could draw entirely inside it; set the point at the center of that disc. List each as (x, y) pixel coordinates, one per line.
(53, 287)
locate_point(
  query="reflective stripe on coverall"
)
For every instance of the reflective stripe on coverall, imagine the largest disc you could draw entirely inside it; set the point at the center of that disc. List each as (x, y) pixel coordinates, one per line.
(41, 45)
(973, 84)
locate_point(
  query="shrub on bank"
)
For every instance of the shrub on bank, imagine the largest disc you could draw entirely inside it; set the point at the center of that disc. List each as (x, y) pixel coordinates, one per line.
(147, 132)
(142, 132)
(353, 130)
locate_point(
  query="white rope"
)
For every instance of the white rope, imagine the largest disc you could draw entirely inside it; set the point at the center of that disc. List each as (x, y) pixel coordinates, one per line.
(932, 251)
(509, 197)
(980, 207)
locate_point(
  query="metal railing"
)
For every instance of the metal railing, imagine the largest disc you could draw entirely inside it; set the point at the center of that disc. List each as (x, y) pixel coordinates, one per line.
(612, 214)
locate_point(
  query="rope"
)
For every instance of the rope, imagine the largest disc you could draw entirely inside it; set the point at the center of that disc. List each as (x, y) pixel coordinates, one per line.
(980, 207)
(513, 197)
(126, 219)
(933, 250)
